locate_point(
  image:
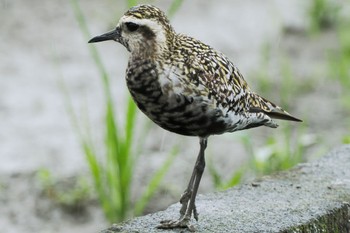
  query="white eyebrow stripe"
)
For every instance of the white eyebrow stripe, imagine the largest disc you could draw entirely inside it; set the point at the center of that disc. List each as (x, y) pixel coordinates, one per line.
(145, 22)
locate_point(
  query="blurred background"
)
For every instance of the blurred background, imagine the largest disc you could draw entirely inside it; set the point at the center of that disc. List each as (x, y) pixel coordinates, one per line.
(76, 155)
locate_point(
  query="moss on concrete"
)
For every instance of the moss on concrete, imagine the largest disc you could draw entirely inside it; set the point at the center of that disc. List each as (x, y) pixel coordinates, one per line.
(336, 221)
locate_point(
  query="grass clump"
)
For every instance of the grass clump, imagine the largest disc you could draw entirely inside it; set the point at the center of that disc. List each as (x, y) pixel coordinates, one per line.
(323, 14)
(71, 194)
(278, 153)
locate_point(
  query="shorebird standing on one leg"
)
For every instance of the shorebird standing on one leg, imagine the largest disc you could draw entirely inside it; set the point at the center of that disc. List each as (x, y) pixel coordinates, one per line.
(186, 87)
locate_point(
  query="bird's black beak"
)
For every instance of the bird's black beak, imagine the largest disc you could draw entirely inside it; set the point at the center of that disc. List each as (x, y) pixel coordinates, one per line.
(111, 35)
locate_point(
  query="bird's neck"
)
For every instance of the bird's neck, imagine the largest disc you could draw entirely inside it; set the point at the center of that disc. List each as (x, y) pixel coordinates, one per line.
(144, 51)
(153, 49)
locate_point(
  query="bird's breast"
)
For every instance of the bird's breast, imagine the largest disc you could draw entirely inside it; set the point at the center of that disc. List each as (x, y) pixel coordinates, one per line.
(160, 93)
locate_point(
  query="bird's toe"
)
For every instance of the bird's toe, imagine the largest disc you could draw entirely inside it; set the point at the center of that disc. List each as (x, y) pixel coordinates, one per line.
(181, 223)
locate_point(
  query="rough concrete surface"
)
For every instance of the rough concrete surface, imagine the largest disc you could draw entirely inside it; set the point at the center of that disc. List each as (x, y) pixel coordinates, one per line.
(311, 197)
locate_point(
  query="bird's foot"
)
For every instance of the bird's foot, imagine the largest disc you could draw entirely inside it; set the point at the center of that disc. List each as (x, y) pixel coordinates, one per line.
(183, 222)
(184, 206)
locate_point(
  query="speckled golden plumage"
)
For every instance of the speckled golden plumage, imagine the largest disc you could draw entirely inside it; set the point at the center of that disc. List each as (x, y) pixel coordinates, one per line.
(186, 87)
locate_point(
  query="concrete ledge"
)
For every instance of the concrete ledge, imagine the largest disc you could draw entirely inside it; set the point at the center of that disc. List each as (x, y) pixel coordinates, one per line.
(312, 197)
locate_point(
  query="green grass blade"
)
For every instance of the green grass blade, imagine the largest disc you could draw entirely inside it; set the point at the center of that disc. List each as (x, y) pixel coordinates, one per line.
(235, 179)
(114, 145)
(215, 175)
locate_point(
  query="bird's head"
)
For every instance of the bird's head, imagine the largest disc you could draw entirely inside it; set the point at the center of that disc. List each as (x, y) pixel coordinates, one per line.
(143, 29)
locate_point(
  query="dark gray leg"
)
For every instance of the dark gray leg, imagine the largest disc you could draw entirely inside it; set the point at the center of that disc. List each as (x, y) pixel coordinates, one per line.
(188, 198)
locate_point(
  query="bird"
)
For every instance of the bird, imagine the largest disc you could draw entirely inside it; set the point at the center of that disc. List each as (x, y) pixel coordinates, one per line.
(186, 87)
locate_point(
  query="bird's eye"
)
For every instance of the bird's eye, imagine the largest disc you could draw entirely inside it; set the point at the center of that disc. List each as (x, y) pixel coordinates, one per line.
(132, 26)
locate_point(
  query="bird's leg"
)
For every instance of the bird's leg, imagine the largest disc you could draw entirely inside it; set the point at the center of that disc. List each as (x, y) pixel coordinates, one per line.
(185, 197)
(191, 191)
(188, 198)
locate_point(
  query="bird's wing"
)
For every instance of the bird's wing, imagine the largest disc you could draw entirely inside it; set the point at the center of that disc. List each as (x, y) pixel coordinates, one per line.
(210, 73)
(224, 83)
(218, 79)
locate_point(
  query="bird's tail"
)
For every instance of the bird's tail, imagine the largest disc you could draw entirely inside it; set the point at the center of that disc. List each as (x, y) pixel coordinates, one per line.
(260, 104)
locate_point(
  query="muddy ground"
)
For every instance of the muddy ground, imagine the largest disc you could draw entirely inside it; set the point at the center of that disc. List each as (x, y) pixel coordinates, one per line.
(42, 47)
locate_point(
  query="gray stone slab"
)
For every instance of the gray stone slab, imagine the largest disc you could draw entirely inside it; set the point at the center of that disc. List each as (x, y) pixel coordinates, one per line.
(312, 197)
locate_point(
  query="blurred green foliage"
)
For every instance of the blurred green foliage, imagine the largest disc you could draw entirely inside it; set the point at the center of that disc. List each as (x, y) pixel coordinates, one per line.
(322, 14)
(339, 62)
(71, 194)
